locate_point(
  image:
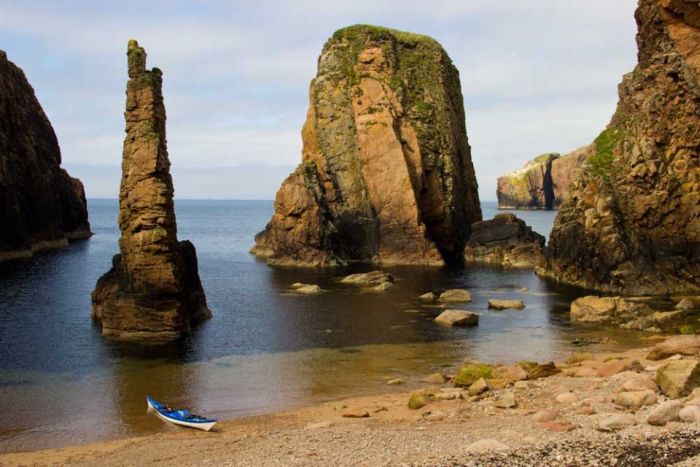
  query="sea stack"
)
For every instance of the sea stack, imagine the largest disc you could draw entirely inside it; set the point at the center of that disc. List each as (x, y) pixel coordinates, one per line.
(632, 222)
(153, 292)
(386, 173)
(41, 206)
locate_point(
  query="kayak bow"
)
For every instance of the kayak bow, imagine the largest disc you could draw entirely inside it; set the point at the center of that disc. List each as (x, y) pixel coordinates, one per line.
(181, 417)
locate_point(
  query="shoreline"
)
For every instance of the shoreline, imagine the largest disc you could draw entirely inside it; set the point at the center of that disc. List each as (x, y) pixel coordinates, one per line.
(381, 430)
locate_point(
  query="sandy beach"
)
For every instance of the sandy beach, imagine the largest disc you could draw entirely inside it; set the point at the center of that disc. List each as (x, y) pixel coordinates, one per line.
(557, 420)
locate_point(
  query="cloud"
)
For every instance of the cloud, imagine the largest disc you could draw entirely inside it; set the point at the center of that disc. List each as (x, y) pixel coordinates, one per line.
(537, 76)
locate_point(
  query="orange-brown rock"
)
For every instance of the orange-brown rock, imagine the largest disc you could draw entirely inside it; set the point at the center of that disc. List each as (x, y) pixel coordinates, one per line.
(386, 173)
(504, 241)
(632, 222)
(41, 206)
(153, 292)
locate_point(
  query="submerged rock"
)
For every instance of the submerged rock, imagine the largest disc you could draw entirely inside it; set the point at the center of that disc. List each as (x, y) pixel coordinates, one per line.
(632, 222)
(504, 241)
(41, 206)
(153, 292)
(456, 296)
(496, 304)
(386, 173)
(368, 279)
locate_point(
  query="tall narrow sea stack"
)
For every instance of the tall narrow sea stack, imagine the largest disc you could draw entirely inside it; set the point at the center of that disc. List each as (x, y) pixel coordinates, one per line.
(41, 206)
(386, 173)
(153, 291)
(632, 222)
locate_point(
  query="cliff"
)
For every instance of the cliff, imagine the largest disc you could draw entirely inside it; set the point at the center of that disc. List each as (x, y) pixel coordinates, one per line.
(632, 222)
(386, 173)
(153, 291)
(543, 183)
(41, 206)
(504, 241)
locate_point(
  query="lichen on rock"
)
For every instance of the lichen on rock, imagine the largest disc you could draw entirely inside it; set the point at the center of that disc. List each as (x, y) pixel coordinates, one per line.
(386, 173)
(632, 222)
(153, 291)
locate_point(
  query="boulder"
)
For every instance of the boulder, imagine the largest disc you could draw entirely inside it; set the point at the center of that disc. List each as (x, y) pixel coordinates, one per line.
(153, 292)
(458, 318)
(506, 304)
(506, 400)
(616, 366)
(637, 382)
(536, 370)
(635, 399)
(456, 296)
(386, 174)
(504, 241)
(41, 206)
(480, 386)
(418, 399)
(630, 224)
(470, 372)
(678, 378)
(664, 413)
(676, 345)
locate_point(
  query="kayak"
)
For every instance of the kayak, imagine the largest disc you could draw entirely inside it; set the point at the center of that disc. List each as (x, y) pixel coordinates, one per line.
(181, 417)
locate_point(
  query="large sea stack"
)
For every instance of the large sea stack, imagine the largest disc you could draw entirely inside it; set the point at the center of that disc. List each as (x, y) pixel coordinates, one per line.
(153, 292)
(41, 206)
(386, 173)
(632, 223)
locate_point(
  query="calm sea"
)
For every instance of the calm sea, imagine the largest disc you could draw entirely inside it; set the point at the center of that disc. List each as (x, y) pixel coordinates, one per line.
(264, 350)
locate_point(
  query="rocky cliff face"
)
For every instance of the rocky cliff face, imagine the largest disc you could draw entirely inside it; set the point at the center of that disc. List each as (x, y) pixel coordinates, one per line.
(632, 223)
(41, 206)
(504, 241)
(543, 183)
(386, 173)
(153, 291)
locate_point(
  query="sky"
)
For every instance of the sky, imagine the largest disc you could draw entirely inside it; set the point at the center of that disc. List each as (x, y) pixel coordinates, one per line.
(537, 76)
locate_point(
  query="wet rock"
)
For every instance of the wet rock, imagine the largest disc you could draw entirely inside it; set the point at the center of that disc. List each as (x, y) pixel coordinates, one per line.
(458, 318)
(427, 297)
(504, 241)
(456, 296)
(470, 372)
(635, 399)
(690, 414)
(386, 174)
(616, 422)
(506, 304)
(307, 289)
(664, 413)
(625, 313)
(368, 279)
(486, 445)
(678, 378)
(383, 286)
(153, 292)
(480, 386)
(676, 345)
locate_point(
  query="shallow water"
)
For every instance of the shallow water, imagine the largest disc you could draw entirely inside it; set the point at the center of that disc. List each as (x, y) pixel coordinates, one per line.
(264, 350)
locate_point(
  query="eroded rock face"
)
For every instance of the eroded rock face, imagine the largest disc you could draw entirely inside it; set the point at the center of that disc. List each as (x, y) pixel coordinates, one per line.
(386, 173)
(632, 223)
(153, 291)
(504, 241)
(41, 206)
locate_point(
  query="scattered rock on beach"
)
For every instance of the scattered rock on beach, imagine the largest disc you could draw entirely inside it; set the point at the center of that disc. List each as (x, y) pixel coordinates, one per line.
(546, 415)
(616, 422)
(690, 414)
(458, 318)
(635, 399)
(567, 398)
(470, 372)
(418, 399)
(355, 412)
(506, 400)
(479, 386)
(486, 445)
(496, 304)
(664, 413)
(678, 378)
(456, 296)
(676, 345)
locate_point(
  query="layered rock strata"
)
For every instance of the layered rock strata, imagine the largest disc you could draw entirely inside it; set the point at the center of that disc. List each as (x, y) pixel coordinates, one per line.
(543, 183)
(41, 206)
(153, 292)
(504, 241)
(632, 223)
(386, 173)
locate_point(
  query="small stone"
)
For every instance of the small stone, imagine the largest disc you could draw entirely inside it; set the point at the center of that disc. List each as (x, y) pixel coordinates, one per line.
(690, 414)
(318, 425)
(456, 296)
(521, 385)
(446, 396)
(383, 286)
(558, 427)
(480, 386)
(308, 289)
(637, 382)
(435, 416)
(678, 378)
(567, 398)
(546, 415)
(395, 381)
(509, 374)
(664, 413)
(586, 410)
(506, 400)
(427, 297)
(435, 378)
(496, 304)
(635, 399)
(458, 318)
(616, 422)
(418, 399)
(613, 367)
(486, 445)
(355, 412)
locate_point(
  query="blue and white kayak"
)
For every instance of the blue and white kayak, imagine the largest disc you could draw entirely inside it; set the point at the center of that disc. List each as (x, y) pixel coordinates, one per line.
(179, 417)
